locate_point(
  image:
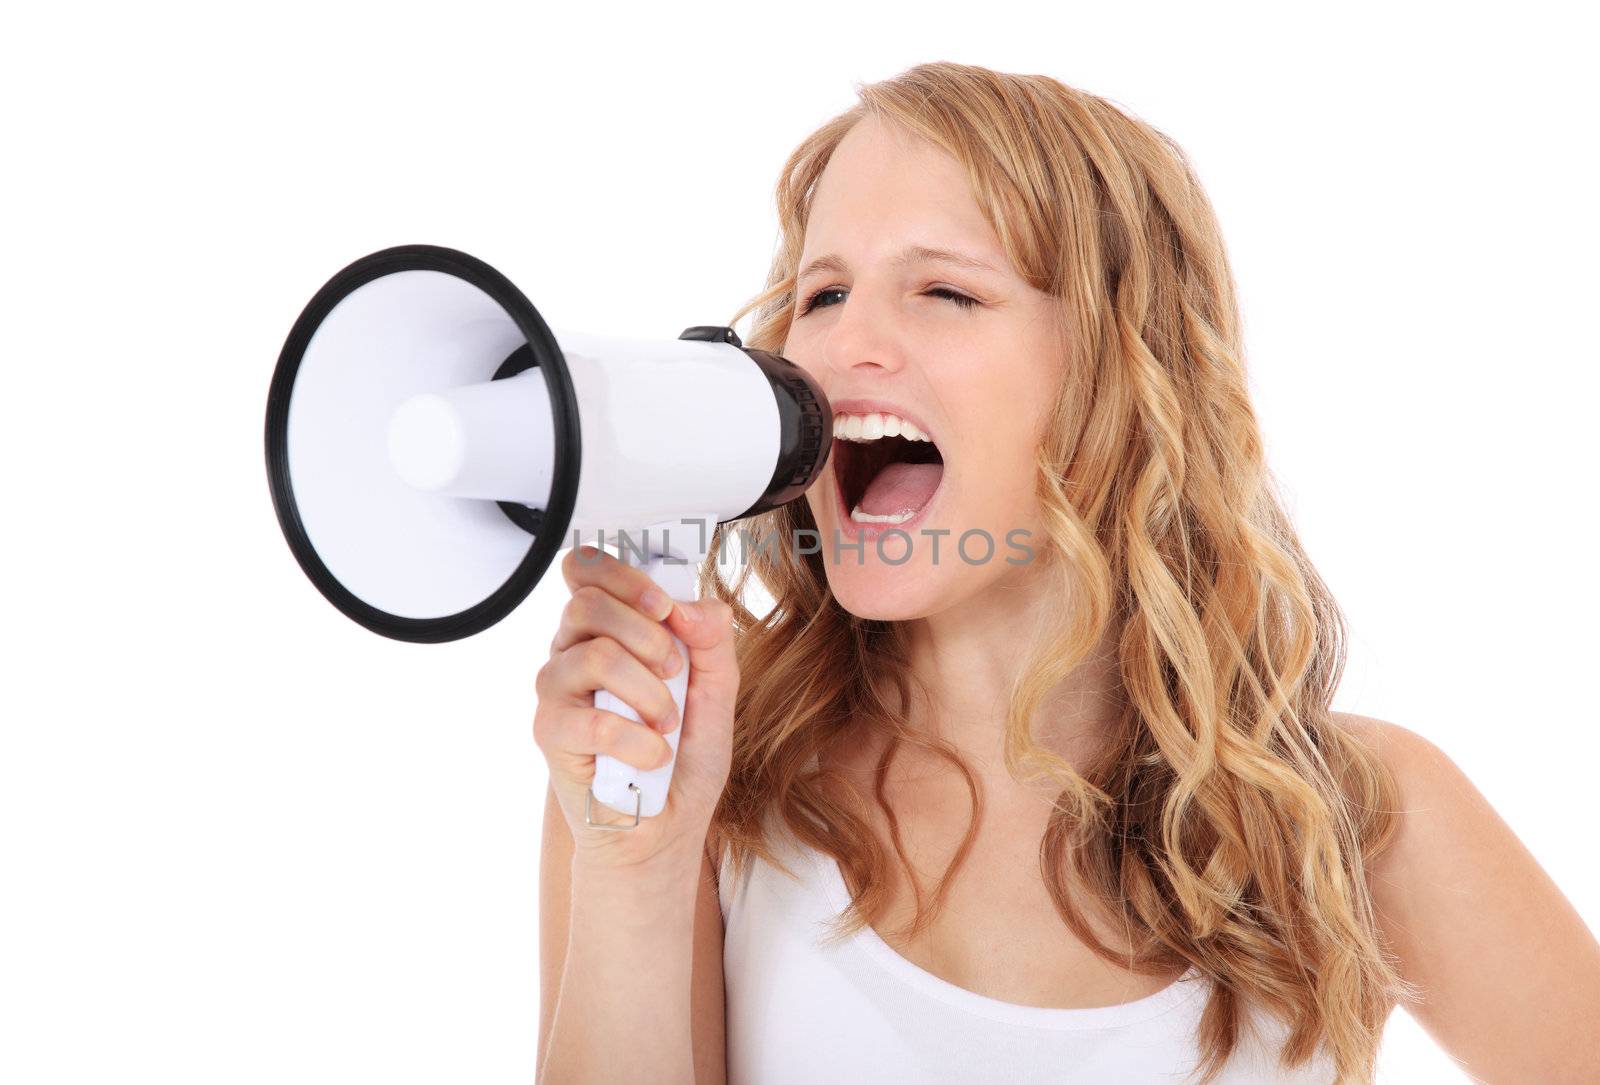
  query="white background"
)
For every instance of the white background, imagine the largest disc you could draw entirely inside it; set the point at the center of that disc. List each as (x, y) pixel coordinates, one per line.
(246, 840)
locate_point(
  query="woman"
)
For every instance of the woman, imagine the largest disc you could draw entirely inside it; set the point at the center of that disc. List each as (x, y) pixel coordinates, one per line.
(1046, 714)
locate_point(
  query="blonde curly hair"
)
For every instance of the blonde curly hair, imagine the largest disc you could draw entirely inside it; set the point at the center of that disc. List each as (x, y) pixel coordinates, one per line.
(1228, 823)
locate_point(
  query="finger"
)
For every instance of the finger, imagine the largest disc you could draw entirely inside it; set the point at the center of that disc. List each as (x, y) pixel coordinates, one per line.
(585, 733)
(588, 565)
(602, 663)
(595, 612)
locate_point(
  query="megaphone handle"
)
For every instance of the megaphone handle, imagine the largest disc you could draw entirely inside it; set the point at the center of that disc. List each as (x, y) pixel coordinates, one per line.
(622, 787)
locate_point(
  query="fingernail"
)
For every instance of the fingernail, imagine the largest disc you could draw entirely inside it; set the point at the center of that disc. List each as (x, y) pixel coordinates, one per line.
(656, 604)
(690, 612)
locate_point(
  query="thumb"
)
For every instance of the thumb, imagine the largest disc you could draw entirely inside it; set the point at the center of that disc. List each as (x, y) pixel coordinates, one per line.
(706, 629)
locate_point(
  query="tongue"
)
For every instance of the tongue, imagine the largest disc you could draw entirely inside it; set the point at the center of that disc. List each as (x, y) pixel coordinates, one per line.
(901, 487)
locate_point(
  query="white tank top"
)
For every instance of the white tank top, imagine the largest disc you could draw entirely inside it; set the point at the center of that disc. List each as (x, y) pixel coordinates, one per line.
(799, 1012)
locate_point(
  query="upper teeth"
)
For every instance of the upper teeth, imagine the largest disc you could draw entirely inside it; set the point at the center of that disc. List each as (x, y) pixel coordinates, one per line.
(870, 427)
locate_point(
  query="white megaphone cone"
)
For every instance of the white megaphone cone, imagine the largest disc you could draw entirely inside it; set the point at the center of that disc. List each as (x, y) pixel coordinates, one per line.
(431, 444)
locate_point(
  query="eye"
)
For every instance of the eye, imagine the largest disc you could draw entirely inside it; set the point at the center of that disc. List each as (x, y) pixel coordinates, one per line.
(813, 301)
(961, 300)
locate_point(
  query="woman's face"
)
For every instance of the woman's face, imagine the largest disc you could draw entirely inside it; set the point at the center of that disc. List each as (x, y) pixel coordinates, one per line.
(884, 337)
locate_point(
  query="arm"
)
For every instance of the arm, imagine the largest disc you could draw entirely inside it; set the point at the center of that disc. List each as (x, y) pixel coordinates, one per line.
(1509, 975)
(708, 1004)
(619, 996)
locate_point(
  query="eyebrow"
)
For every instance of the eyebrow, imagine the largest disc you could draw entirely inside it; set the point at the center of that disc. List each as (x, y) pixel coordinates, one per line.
(913, 254)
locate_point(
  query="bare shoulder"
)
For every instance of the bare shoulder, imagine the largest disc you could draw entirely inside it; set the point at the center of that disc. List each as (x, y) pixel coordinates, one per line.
(1436, 801)
(1507, 972)
(1447, 830)
(1405, 752)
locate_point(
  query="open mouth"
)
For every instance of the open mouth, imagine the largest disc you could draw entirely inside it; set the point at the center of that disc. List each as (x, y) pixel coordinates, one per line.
(887, 480)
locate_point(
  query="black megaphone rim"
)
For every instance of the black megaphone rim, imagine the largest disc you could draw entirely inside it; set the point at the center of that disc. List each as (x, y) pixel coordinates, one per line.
(564, 409)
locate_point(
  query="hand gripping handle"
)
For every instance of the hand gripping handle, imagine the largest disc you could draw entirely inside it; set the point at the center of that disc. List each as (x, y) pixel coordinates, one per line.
(674, 552)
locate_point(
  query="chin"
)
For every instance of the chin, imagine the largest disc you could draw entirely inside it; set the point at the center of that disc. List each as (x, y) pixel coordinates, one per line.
(867, 585)
(888, 593)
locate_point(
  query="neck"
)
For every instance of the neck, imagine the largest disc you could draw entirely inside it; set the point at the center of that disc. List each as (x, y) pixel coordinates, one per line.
(968, 657)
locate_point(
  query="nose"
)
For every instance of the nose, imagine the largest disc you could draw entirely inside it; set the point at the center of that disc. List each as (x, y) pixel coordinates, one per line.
(863, 336)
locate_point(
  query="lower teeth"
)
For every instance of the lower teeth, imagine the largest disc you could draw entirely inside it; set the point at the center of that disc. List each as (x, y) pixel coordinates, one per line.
(868, 518)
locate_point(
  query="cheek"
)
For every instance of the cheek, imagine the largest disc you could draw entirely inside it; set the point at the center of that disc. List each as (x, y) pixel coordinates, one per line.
(999, 470)
(1014, 502)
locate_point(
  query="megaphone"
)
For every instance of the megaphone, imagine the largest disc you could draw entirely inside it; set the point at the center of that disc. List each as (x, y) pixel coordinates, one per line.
(431, 444)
